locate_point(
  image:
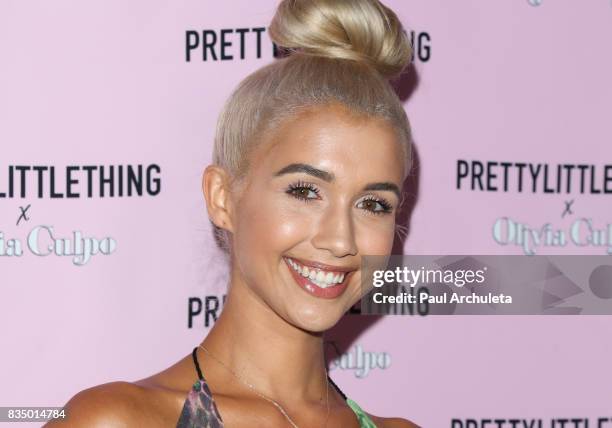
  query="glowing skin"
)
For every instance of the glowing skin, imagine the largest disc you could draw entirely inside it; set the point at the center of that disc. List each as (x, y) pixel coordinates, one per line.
(335, 224)
(271, 329)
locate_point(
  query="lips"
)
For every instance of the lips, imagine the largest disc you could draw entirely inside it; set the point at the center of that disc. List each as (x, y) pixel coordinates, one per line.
(328, 288)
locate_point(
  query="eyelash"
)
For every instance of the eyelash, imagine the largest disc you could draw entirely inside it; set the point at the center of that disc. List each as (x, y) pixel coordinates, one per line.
(292, 188)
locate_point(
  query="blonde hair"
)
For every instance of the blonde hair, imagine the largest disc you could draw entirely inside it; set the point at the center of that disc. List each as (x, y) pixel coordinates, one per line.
(341, 52)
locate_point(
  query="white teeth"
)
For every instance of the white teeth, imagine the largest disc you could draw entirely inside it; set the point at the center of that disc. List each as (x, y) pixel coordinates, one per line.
(319, 278)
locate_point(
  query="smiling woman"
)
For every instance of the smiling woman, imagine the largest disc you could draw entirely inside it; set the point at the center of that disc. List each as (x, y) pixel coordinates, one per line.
(307, 192)
(310, 155)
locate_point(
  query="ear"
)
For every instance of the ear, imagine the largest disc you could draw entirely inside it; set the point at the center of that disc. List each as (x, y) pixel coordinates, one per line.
(217, 192)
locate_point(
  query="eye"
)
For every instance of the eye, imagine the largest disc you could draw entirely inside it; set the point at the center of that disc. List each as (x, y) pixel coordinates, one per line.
(303, 191)
(375, 205)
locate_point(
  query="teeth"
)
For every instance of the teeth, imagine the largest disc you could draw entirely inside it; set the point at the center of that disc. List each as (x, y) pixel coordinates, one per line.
(319, 278)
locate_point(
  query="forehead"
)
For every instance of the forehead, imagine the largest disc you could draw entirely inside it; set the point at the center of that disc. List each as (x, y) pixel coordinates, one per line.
(336, 140)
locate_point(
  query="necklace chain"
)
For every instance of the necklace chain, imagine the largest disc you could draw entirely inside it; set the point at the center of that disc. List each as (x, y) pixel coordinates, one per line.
(278, 406)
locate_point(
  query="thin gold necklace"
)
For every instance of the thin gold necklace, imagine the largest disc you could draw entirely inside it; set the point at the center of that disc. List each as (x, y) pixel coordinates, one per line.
(278, 406)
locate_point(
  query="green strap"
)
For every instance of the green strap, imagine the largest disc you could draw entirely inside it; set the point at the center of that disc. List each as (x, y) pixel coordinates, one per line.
(362, 417)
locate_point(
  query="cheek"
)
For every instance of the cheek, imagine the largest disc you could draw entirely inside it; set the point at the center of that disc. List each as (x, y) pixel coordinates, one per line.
(271, 222)
(376, 238)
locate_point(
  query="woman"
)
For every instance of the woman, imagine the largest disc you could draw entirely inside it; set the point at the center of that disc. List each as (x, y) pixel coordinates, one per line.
(309, 159)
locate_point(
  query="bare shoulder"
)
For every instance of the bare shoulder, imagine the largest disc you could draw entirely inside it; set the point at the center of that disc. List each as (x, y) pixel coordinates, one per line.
(393, 422)
(113, 404)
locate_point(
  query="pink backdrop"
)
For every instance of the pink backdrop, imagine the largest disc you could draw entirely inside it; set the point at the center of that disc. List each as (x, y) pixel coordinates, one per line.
(107, 83)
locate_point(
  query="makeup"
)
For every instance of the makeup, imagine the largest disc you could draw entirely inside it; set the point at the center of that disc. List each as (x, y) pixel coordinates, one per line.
(321, 283)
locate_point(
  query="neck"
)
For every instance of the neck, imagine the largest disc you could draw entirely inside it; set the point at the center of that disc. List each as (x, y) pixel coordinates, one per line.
(277, 358)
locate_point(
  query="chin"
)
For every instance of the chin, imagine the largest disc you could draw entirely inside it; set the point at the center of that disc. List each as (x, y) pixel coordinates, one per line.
(315, 321)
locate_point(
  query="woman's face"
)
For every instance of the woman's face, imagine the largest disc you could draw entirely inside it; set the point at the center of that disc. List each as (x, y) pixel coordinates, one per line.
(321, 193)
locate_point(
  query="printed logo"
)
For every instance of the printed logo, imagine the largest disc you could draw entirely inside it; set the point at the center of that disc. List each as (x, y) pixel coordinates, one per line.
(542, 178)
(232, 44)
(42, 241)
(360, 362)
(204, 311)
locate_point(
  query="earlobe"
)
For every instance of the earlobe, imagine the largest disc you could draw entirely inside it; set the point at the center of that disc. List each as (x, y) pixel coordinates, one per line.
(216, 188)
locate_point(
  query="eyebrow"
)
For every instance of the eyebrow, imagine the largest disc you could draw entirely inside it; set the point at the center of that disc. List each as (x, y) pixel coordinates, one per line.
(329, 177)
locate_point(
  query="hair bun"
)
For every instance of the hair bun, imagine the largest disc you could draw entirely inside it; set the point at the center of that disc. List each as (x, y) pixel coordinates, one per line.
(359, 30)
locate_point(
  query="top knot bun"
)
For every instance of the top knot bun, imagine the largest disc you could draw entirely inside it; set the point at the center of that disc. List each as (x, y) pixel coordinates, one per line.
(358, 30)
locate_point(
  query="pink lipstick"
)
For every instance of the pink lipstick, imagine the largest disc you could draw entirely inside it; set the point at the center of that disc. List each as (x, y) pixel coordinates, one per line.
(329, 292)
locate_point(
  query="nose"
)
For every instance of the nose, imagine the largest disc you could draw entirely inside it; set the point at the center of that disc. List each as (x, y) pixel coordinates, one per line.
(335, 232)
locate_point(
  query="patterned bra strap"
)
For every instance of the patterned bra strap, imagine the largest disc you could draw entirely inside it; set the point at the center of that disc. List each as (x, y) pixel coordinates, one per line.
(362, 417)
(197, 366)
(364, 420)
(337, 387)
(195, 362)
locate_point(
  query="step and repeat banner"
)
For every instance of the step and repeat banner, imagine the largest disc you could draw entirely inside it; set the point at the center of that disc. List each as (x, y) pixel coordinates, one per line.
(108, 266)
